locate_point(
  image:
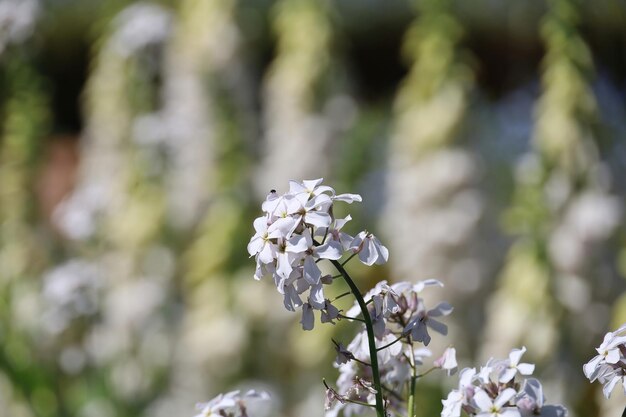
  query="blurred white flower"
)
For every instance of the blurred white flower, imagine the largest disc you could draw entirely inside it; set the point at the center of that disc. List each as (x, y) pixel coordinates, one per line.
(447, 361)
(232, 402)
(609, 366)
(17, 20)
(485, 394)
(140, 25)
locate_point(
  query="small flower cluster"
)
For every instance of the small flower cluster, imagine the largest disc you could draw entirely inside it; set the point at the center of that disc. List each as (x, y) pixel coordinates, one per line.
(297, 230)
(231, 404)
(399, 318)
(495, 391)
(609, 365)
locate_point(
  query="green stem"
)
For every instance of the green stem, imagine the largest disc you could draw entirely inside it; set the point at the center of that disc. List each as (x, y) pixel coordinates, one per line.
(624, 413)
(390, 343)
(341, 316)
(380, 408)
(348, 260)
(410, 408)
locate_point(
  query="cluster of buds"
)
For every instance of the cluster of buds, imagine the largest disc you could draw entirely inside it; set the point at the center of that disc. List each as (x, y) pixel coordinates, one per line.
(297, 230)
(609, 365)
(231, 404)
(400, 318)
(499, 390)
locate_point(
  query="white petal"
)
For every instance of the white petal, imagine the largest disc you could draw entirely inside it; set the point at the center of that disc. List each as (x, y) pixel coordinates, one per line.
(526, 368)
(348, 198)
(510, 412)
(368, 254)
(311, 272)
(267, 253)
(295, 187)
(508, 374)
(383, 252)
(613, 356)
(316, 296)
(420, 334)
(255, 245)
(419, 287)
(318, 218)
(330, 250)
(442, 309)
(291, 299)
(357, 241)
(590, 367)
(284, 267)
(308, 319)
(608, 387)
(437, 326)
(340, 223)
(504, 397)
(312, 184)
(482, 400)
(297, 244)
(281, 227)
(516, 355)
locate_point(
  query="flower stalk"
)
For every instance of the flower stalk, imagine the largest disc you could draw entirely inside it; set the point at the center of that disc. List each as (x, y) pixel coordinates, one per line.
(369, 327)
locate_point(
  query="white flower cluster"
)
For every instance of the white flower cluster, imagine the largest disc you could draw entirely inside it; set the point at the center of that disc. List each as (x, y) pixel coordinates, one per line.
(400, 318)
(296, 231)
(495, 391)
(609, 366)
(231, 404)
(17, 20)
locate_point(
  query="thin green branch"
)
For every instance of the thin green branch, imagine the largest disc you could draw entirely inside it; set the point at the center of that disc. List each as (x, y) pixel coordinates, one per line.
(369, 327)
(390, 343)
(350, 318)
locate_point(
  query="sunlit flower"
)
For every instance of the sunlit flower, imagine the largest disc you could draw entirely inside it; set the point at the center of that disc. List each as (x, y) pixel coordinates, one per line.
(369, 248)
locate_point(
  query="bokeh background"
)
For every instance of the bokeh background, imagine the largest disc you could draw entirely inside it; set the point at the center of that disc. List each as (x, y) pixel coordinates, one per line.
(137, 140)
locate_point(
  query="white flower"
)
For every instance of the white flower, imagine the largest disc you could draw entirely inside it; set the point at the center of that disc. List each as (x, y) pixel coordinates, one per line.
(447, 361)
(294, 234)
(452, 404)
(260, 244)
(531, 399)
(608, 366)
(305, 252)
(497, 407)
(513, 366)
(418, 326)
(369, 248)
(337, 235)
(229, 402)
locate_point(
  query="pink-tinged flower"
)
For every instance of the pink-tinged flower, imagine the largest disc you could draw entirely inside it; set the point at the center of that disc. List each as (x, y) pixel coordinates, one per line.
(369, 248)
(447, 361)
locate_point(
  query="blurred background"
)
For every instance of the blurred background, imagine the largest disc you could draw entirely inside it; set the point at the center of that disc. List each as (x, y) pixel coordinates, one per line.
(137, 140)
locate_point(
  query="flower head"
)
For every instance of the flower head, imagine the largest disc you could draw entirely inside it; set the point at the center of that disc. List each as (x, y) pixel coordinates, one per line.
(486, 394)
(296, 231)
(609, 365)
